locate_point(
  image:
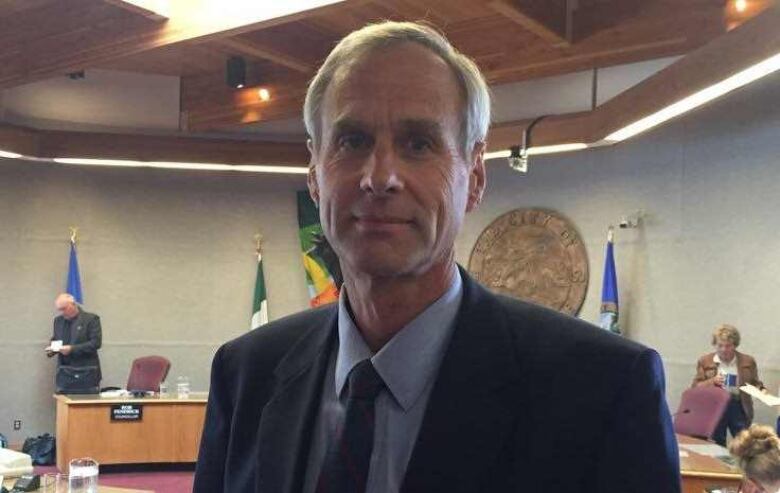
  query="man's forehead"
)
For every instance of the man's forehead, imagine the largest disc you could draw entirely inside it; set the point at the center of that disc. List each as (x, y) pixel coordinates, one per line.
(407, 83)
(418, 125)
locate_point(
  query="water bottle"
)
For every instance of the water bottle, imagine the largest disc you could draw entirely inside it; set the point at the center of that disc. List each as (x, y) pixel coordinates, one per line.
(83, 476)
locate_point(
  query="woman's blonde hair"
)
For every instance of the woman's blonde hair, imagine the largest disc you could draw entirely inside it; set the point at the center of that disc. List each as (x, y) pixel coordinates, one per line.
(726, 332)
(758, 452)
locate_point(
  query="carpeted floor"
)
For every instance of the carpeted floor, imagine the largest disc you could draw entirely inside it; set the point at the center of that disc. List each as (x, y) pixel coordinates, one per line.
(165, 479)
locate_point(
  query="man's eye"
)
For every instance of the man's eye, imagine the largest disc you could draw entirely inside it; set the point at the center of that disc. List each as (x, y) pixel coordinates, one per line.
(419, 144)
(352, 141)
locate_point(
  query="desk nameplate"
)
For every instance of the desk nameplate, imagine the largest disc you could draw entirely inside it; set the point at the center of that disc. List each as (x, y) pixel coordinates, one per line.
(127, 412)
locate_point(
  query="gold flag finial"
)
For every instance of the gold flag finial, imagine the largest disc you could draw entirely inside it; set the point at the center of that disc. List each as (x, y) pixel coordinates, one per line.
(73, 233)
(258, 242)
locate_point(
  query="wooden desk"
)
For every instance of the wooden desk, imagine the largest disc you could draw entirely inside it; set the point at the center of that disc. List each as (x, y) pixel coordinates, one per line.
(701, 471)
(8, 483)
(169, 430)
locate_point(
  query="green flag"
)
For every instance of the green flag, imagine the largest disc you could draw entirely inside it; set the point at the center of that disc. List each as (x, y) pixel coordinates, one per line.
(260, 304)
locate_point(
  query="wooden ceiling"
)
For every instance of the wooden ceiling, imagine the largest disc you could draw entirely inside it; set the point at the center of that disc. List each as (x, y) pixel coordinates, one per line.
(511, 40)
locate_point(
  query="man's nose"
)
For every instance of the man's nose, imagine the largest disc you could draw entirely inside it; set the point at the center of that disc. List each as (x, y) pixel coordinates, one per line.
(382, 171)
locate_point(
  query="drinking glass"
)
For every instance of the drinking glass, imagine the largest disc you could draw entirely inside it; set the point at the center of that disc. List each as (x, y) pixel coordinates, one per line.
(83, 476)
(54, 482)
(183, 387)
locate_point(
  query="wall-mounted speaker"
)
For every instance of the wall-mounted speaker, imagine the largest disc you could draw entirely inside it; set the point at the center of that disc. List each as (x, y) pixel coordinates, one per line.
(236, 72)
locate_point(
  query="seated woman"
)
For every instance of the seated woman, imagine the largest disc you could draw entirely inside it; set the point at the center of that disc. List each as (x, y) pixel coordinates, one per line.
(758, 451)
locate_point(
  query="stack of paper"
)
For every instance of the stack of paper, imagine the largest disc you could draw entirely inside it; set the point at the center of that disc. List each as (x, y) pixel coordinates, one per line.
(766, 398)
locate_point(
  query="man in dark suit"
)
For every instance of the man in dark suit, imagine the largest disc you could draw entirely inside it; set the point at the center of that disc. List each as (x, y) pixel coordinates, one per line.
(420, 380)
(76, 338)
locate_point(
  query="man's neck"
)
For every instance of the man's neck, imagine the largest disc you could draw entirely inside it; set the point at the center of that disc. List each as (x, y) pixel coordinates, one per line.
(382, 307)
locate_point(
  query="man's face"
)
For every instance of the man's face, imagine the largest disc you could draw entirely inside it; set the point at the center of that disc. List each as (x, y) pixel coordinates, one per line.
(389, 173)
(725, 349)
(66, 308)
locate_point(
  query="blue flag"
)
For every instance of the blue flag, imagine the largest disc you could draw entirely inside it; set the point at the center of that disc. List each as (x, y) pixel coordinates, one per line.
(74, 279)
(609, 292)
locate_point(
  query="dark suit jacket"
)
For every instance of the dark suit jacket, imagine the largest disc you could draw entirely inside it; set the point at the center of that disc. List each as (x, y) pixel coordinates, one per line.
(86, 338)
(747, 372)
(526, 399)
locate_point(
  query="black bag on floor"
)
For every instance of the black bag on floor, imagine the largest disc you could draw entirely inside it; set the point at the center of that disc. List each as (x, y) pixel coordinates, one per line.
(42, 449)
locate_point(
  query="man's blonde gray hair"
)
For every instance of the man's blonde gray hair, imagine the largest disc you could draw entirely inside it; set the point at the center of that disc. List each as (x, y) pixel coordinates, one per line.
(726, 332)
(475, 118)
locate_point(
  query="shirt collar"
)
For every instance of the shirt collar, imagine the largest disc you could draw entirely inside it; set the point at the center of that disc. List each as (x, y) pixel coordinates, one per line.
(411, 358)
(717, 359)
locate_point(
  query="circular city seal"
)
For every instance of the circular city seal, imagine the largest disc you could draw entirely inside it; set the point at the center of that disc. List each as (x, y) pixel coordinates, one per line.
(535, 255)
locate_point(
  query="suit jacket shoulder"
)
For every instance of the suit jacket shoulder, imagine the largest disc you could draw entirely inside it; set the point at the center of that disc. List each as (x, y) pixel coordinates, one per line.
(546, 389)
(247, 372)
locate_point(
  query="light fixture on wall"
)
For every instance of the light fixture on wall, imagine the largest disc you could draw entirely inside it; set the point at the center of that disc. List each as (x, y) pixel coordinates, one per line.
(633, 220)
(518, 155)
(235, 71)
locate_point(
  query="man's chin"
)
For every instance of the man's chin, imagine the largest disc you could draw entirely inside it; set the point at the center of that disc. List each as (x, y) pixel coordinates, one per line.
(381, 266)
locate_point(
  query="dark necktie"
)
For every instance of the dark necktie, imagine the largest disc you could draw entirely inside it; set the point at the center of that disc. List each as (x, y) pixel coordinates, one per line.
(345, 469)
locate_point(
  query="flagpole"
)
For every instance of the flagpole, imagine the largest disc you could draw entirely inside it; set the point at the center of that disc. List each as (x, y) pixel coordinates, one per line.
(259, 301)
(609, 290)
(73, 281)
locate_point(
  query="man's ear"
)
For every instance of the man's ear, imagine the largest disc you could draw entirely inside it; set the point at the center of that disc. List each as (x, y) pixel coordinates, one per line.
(311, 179)
(477, 176)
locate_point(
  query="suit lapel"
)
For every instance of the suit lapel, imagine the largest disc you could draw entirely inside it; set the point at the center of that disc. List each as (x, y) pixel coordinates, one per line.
(286, 425)
(474, 404)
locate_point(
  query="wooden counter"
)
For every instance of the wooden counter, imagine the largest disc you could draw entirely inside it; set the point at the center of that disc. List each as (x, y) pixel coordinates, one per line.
(168, 431)
(701, 471)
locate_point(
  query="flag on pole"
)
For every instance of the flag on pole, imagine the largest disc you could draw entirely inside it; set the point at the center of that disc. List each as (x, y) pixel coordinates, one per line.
(73, 283)
(323, 271)
(609, 290)
(260, 304)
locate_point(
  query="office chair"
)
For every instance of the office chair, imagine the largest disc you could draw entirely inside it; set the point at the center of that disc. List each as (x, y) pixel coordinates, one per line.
(700, 411)
(147, 372)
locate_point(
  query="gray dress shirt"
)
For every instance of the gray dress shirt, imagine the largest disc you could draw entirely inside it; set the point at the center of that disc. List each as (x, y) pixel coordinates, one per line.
(408, 364)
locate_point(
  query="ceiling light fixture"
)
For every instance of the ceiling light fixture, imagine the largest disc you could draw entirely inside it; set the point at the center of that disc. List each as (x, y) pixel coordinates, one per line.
(160, 8)
(740, 5)
(9, 155)
(263, 94)
(248, 168)
(697, 99)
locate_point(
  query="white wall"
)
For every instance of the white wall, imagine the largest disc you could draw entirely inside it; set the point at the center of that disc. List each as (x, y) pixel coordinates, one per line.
(709, 251)
(167, 261)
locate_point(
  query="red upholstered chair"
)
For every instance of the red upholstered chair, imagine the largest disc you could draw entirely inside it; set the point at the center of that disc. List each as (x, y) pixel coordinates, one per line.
(147, 372)
(700, 411)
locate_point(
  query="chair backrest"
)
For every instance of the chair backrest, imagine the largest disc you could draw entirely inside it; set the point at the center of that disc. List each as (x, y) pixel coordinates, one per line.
(147, 372)
(700, 411)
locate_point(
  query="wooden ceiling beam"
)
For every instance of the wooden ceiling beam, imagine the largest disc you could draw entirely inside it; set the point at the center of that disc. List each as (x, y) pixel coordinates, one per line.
(125, 38)
(527, 15)
(755, 41)
(207, 102)
(93, 145)
(251, 49)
